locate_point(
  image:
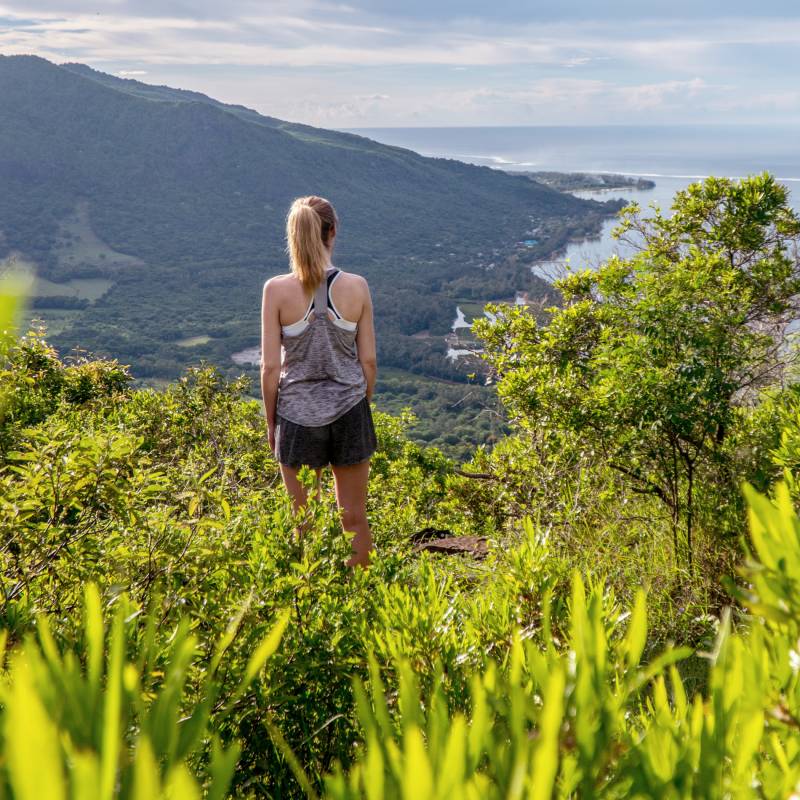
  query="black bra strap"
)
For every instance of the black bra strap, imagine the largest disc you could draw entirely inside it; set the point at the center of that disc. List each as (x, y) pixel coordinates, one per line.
(329, 280)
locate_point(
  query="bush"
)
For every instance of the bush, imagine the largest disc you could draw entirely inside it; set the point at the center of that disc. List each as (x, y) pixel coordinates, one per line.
(651, 360)
(422, 676)
(112, 719)
(591, 720)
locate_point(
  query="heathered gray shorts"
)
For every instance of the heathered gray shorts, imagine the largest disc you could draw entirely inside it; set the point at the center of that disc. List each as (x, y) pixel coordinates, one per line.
(350, 439)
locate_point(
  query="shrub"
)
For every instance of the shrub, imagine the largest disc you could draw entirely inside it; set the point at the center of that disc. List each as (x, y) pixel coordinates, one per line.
(591, 720)
(110, 717)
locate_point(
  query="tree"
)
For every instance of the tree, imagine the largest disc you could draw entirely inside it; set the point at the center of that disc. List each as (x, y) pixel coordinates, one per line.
(649, 357)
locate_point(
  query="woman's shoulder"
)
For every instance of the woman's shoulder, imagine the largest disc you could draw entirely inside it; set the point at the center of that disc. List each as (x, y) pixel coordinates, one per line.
(279, 283)
(351, 279)
(284, 277)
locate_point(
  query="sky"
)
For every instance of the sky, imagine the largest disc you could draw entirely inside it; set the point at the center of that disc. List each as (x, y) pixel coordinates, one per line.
(382, 63)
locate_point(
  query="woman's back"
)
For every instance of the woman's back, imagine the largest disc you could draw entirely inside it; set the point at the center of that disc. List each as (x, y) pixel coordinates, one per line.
(321, 376)
(347, 293)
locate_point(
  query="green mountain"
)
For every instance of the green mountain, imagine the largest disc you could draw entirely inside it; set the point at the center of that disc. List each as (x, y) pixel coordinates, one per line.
(154, 215)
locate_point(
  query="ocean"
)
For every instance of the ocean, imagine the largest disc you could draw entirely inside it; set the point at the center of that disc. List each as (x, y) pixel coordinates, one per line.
(675, 151)
(672, 156)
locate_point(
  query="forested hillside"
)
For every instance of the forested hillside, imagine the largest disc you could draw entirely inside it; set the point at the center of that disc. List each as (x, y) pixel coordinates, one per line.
(622, 621)
(154, 216)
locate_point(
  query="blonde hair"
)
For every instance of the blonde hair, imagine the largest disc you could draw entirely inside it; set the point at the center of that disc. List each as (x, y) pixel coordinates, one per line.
(309, 227)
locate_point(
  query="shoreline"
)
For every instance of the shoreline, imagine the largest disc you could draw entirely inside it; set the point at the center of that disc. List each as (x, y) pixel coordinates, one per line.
(586, 181)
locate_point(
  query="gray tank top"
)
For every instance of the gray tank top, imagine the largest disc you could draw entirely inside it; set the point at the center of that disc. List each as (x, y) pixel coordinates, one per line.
(321, 376)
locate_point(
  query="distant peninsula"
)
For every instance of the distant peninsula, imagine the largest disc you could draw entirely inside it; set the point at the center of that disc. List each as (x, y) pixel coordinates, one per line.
(581, 181)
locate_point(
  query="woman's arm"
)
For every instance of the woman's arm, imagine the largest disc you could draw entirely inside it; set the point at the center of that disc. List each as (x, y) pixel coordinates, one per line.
(270, 357)
(365, 342)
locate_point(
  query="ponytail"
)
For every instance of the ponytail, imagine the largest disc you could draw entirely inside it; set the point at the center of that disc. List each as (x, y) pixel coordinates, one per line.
(308, 230)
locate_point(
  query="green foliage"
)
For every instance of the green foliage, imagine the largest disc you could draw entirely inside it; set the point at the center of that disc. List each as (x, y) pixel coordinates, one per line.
(13, 289)
(646, 365)
(36, 382)
(452, 417)
(174, 498)
(520, 716)
(109, 717)
(423, 676)
(592, 720)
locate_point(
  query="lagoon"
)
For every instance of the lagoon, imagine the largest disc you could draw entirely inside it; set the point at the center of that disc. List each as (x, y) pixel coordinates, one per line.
(591, 253)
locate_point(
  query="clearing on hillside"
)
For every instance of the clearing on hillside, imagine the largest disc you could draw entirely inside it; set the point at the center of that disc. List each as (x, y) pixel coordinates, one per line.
(78, 247)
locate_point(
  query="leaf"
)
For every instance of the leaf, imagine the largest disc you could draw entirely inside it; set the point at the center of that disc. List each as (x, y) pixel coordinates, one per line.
(84, 773)
(661, 662)
(31, 741)
(146, 783)
(3, 647)
(93, 620)
(374, 771)
(223, 763)
(13, 289)
(417, 774)
(205, 476)
(111, 735)
(181, 785)
(480, 723)
(294, 764)
(545, 759)
(230, 634)
(451, 777)
(636, 636)
(267, 647)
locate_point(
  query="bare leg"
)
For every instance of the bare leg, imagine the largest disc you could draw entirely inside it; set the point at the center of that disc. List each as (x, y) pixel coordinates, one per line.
(296, 490)
(351, 497)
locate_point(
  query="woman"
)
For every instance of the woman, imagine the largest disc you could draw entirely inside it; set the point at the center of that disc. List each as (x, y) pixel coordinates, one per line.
(318, 368)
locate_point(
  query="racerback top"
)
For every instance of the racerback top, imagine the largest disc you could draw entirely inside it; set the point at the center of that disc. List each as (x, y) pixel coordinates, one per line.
(321, 376)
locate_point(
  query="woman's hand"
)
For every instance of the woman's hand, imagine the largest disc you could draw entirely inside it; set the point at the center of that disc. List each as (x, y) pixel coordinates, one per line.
(271, 434)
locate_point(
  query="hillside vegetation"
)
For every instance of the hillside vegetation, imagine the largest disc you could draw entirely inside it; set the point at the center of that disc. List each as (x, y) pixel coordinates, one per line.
(174, 204)
(189, 197)
(632, 631)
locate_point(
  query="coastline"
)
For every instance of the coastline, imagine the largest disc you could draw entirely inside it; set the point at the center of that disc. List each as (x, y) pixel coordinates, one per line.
(671, 151)
(587, 181)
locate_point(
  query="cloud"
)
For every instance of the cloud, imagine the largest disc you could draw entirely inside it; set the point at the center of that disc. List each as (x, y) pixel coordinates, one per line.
(305, 34)
(574, 11)
(570, 101)
(555, 101)
(661, 96)
(583, 61)
(450, 62)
